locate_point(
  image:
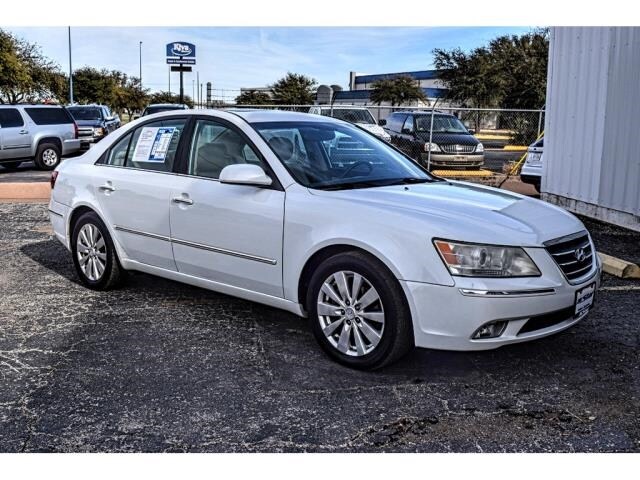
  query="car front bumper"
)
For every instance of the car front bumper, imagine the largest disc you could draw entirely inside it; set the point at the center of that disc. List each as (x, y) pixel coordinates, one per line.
(446, 160)
(531, 174)
(447, 317)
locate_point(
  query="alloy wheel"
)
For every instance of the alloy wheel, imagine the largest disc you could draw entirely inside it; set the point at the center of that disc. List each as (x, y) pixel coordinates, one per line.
(50, 157)
(350, 313)
(92, 252)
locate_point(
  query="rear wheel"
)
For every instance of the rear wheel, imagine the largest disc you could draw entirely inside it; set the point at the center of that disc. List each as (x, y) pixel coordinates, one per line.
(47, 156)
(11, 165)
(358, 312)
(94, 255)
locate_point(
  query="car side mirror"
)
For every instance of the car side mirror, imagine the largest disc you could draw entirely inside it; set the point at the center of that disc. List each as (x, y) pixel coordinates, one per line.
(382, 122)
(245, 174)
(135, 117)
(471, 131)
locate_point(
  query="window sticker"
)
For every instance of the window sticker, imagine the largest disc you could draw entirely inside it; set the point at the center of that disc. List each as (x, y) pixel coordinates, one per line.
(153, 144)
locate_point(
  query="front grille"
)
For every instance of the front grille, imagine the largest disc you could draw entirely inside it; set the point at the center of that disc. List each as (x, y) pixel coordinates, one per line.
(85, 132)
(573, 254)
(547, 320)
(458, 148)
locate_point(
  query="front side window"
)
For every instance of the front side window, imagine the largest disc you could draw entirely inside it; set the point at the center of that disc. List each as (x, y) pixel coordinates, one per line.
(214, 146)
(333, 156)
(154, 145)
(10, 118)
(408, 125)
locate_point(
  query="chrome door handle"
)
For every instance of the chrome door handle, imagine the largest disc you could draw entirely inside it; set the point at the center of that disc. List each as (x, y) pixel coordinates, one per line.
(107, 188)
(185, 200)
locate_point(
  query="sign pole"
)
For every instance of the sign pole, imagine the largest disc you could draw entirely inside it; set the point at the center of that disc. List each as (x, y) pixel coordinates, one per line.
(181, 83)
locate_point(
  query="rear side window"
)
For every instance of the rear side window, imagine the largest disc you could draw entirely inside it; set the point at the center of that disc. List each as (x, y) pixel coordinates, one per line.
(48, 116)
(10, 117)
(154, 145)
(118, 152)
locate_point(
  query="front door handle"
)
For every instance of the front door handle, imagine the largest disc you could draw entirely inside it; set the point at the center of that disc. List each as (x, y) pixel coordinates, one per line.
(23, 132)
(184, 200)
(107, 187)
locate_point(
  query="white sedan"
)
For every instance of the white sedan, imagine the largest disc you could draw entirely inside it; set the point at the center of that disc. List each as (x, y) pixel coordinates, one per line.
(320, 218)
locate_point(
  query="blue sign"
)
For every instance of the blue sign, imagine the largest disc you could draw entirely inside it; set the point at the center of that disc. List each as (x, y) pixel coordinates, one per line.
(181, 50)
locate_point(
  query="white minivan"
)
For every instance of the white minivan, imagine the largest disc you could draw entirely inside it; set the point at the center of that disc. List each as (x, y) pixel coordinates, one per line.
(360, 116)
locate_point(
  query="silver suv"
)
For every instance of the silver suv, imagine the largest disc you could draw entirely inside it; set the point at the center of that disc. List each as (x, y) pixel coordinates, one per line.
(43, 133)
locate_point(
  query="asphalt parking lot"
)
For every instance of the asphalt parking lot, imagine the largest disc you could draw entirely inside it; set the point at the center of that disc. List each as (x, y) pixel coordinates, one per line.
(159, 366)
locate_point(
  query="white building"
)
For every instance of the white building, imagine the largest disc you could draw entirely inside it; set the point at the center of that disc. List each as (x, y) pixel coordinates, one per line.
(592, 146)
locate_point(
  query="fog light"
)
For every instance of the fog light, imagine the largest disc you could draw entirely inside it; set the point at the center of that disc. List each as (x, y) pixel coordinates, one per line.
(490, 330)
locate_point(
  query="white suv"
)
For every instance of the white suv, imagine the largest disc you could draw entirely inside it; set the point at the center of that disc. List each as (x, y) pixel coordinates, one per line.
(357, 115)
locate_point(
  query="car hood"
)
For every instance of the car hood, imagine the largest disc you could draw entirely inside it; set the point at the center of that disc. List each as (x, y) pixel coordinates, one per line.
(449, 138)
(467, 212)
(89, 123)
(373, 128)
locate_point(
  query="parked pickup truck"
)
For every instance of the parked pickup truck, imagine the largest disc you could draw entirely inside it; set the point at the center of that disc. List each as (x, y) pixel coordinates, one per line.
(43, 133)
(94, 122)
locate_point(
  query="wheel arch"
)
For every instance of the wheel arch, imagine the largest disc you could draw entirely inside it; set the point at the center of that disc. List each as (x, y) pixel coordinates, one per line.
(327, 251)
(46, 139)
(81, 208)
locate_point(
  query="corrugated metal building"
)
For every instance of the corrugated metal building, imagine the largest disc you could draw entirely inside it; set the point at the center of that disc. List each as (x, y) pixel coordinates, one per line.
(592, 130)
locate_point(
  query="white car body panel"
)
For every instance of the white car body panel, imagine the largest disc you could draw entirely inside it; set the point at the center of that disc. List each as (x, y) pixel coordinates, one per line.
(257, 241)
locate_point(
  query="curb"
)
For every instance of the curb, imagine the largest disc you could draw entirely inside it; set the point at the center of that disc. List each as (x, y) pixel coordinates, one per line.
(619, 268)
(25, 191)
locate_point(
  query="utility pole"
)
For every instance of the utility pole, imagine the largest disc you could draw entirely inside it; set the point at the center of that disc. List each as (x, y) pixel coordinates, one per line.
(140, 66)
(193, 90)
(70, 71)
(169, 78)
(198, 82)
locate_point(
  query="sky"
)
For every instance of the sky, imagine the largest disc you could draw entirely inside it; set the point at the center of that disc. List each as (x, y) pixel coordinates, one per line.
(234, 57)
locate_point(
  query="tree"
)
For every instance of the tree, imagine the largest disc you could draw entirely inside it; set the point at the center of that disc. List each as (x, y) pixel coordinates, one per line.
(169, 97)
(397, 91)
(253, 97)
(25, 74)
(294, 89)
(91, 85)
(129, 96)
(511, 72)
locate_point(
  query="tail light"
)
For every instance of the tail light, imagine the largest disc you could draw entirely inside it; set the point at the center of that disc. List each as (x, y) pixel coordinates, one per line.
(75, 130)
(54, 177)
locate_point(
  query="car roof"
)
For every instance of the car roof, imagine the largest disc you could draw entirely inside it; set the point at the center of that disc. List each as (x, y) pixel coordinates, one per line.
(256, 115)
(29, 105)
(166, 105)
(423, 112)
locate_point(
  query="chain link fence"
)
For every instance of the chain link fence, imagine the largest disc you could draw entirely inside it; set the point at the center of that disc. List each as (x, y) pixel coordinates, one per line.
(441, 138)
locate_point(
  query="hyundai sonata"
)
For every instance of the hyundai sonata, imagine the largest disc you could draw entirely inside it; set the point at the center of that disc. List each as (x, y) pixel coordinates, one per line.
(318, 217)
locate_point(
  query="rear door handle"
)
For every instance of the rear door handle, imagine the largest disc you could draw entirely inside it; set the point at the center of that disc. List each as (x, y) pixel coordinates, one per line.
(23, 132)
(107, 187)
(184, 200)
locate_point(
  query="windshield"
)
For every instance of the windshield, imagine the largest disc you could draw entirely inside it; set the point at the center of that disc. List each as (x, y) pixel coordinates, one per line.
(152, 110)
(441, 124)
(332, 156)
(351, 115)
(79, 113)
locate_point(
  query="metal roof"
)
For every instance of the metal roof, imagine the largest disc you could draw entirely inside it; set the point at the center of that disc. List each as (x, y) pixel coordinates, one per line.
(366, 94)
(419, 75)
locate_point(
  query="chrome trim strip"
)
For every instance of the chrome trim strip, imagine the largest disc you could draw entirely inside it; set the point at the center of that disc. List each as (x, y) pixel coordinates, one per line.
(224, 251)
(201, 246)
(56, 213)
(470, 292)
(143, 234)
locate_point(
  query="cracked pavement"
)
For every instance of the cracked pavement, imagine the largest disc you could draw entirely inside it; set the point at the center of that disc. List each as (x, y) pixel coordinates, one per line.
(158, 366)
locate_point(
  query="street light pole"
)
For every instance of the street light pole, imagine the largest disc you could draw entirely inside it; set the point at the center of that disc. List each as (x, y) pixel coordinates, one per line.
(140, 46)
(70, 70)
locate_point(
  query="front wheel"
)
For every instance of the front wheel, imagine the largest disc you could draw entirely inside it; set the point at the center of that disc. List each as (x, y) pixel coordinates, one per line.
(358, 311)
(94, 255)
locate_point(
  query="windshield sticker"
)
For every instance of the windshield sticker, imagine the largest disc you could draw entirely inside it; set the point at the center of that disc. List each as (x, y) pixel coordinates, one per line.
(153, 144)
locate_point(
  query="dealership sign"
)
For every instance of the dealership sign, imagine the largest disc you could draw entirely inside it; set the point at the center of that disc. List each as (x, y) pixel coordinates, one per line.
(181, 52)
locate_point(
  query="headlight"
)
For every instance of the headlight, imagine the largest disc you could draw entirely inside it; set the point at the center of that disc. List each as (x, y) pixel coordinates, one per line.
(479, 148)
(433, 147)
(98, 132)
(468, 260)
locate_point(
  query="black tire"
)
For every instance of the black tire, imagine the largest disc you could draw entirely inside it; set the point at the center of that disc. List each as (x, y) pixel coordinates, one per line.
(11, 165)
(113, 274)
(397, 336)
(44, 155)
